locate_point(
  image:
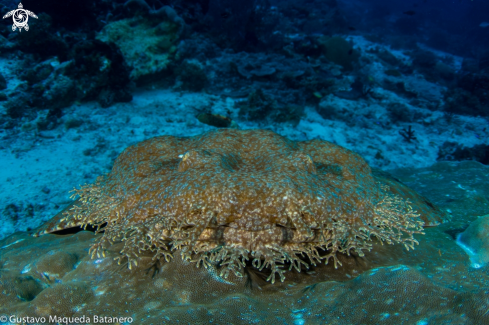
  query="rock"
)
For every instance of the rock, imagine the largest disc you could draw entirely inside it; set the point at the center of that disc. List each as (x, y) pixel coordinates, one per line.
(39, 72)
(475, 241)
(146, 43)
(53, 275)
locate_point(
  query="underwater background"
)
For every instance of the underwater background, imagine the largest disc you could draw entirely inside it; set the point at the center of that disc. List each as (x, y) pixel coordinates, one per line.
(405, 84)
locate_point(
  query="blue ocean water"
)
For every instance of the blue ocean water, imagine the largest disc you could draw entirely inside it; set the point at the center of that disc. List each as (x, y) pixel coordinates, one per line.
(405, 84)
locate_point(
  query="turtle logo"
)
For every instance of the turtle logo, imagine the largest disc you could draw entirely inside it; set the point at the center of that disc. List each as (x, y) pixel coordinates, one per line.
(20, 17)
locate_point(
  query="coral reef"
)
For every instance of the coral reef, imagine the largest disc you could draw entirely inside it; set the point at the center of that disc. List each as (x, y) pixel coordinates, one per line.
(166, 13)
(387, 57)
(192, 76)
(470, 96)
(258, 65)
(399, 112)
(228, 196)
(340, 51)
(290, 114)
(453, 152)
(257, 107)
(432, 68)
(146, 41)
(260, 106)
(100, 72)
(358, 90)
(96, 70)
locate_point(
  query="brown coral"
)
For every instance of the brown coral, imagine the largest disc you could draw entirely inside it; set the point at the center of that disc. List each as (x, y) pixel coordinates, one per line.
(229, 196)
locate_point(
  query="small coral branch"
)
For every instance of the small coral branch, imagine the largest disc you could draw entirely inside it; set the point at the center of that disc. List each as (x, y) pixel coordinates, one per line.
(408, 134)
